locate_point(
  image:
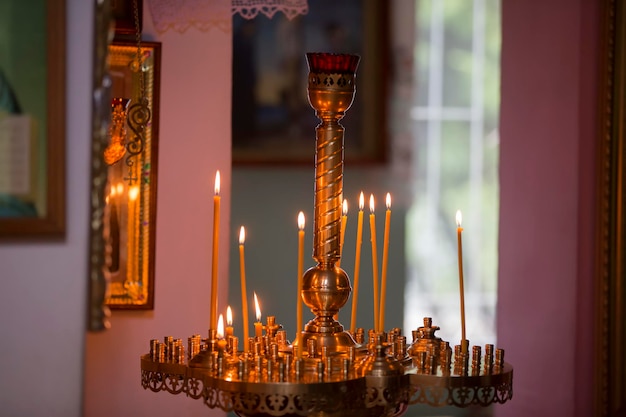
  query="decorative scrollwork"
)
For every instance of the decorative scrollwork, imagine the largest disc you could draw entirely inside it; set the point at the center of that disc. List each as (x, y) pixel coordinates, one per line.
(246, 402)
(368, 396)
(139, 116)
(434, 396)
(276, 402)
(462, 396)
(211, 397)
(194, 388)
(387, 396)
(173, 384)
(152, 380)
(145, 378)
(504, 392)
(340, 81)
(226, 401)
(462, 390)
(486, 395)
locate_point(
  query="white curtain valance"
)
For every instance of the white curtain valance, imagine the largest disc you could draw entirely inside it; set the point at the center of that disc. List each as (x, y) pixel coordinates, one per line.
(204, 15)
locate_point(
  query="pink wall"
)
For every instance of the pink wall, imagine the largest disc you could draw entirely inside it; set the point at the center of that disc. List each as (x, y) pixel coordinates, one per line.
(548, 129)
(194, 141)
(42, 300)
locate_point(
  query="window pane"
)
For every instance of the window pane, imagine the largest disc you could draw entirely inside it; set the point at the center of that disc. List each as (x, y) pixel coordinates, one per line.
(455, 166)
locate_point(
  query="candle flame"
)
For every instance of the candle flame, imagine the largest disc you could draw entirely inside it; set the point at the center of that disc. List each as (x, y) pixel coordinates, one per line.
(361, 201)
(388, 201)
(220, 327)
(258, 309)
(133, 193)
(345, 207)
(112, 193)
(120, 188)
(301, 221)
(459, 218)
(242, 235)
(229, 316)
(217, 183)
(372, 203)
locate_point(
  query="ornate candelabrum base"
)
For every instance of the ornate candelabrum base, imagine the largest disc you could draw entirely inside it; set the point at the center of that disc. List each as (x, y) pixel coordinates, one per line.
(381, 380)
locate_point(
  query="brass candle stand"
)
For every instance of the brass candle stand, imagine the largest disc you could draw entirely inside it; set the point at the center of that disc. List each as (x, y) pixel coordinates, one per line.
(334, 372)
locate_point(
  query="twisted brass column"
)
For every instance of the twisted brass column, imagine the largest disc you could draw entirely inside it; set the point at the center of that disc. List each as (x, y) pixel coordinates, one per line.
(326, 287)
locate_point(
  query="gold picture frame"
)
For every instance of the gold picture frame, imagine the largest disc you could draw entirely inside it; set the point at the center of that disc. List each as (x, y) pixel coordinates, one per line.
(130, 194)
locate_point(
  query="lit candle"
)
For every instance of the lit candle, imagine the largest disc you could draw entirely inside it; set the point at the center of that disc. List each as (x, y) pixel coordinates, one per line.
(118, 192)
(300, 273)
(114, 230)
(459, 229)
(220, 327)
(258, 326)
(344, 221)
(244, 296)
(229, 322)
(357, 262)
(216, 234)
(221, 342)
(374, 263)
(383, 284)
(132, 226)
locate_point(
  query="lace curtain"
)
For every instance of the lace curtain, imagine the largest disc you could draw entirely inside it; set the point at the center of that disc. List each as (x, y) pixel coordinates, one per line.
(204, 15)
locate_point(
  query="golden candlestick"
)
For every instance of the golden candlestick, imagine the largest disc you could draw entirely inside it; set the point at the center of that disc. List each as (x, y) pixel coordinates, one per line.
(326, 287)
(258, 326)
(300, 273)
(244, 294)
(215, 252)
(383, 275)
(229, 323)
(459, 230)
(357, 263)
(374, 264)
